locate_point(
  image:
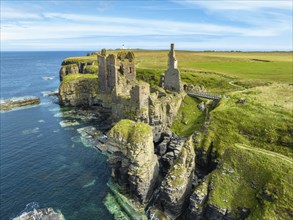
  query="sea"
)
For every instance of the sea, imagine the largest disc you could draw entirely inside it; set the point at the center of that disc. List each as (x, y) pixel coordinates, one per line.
(43, 164)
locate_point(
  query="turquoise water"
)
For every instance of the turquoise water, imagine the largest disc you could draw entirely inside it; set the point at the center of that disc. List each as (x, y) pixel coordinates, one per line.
(42, 165)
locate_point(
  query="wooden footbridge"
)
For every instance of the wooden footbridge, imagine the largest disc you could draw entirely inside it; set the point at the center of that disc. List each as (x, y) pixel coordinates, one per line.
(203, 95)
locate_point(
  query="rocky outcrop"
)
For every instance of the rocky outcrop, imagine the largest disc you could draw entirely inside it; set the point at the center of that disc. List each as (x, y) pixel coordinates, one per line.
(197, 202)
(81, 92)
(134, 164)
(168, 149)
(75, 65)
(163, 108)
(176, 186)
(42, 214)
(68, 69)
(9, 104)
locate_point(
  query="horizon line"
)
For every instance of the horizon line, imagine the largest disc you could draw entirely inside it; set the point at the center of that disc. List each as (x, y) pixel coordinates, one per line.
(138, 49)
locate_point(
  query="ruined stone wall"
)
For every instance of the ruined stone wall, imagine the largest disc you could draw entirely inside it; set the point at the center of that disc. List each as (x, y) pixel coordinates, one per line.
(111, 72)
(172, 75)
(172, 80)
(102, 74)
(140, 95)
(129, 70)
(121, 107)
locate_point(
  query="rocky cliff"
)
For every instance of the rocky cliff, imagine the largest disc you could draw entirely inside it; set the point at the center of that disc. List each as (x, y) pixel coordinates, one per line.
(134, 164)
(176, 186)
(81, 65)
(79, 92)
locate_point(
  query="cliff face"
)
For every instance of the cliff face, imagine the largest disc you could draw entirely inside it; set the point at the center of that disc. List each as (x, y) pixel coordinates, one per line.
(134, 164)
(163, 109)
(68, 69)
(176, 185)
(81, 92)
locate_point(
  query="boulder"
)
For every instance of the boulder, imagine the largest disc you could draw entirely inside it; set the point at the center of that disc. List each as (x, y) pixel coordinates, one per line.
(201, 106)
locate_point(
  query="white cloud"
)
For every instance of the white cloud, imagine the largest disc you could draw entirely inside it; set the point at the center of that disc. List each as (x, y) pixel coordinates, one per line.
(15, 14)
(60, 25)
(34, 28)
(247, 5)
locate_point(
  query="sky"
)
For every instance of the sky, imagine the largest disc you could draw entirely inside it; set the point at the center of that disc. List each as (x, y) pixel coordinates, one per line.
(257, 25)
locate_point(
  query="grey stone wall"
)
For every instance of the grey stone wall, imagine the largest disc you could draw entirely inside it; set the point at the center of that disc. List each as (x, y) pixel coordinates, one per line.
(111, 72)
(172, 74)
(102, 73)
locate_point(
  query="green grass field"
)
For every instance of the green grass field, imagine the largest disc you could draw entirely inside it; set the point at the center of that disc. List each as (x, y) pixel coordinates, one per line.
(270, 66)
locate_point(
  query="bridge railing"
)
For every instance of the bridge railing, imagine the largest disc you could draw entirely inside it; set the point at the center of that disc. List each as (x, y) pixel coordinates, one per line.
(204, 95)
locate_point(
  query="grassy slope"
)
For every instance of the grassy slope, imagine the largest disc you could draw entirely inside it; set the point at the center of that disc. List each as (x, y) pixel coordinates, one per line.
(251, 173)
(189, 118)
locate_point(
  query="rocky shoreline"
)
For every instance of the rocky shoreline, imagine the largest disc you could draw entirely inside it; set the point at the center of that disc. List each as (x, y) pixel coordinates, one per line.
(10, 104)
(41, 214)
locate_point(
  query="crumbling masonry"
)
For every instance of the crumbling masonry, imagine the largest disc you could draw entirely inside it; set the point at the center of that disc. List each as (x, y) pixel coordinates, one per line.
(129, 98)
(171, 80)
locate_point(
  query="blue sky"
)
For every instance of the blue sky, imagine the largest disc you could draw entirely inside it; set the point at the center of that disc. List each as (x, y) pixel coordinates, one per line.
(191, 25)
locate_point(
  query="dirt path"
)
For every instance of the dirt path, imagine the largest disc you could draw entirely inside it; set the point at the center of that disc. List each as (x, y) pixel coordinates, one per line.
(232, 84)
(269, 153)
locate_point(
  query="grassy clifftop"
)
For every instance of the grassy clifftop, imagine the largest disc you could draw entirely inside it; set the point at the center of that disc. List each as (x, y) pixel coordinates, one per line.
(131, 132)
(77, 60)
(73, 77)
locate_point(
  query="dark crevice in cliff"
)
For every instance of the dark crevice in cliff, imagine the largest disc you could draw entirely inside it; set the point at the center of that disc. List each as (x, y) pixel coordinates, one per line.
(168, 149)
(206, 161)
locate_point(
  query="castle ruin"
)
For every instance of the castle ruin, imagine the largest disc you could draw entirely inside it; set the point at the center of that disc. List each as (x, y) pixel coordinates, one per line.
(130, 98)
(171, 80)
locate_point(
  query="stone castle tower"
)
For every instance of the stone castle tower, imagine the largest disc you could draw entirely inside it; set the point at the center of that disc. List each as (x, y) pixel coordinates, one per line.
(110, 66)
(103, 71)
(172, 74)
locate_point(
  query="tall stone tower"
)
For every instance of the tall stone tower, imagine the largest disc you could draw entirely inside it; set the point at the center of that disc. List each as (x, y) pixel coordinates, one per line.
(172, 74)
(111, 71)
(102, 73)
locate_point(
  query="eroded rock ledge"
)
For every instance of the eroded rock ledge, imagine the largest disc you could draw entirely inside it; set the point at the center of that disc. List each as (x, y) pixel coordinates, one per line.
(10, 104)
(41, 214)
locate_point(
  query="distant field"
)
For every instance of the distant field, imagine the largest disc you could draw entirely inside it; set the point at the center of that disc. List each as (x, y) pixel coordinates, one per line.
(219, 72)
(267, 66)
(272, 71)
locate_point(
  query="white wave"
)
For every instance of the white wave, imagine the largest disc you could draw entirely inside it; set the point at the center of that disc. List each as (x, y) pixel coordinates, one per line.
(48, 77)
(31, 131)
(91, 183)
